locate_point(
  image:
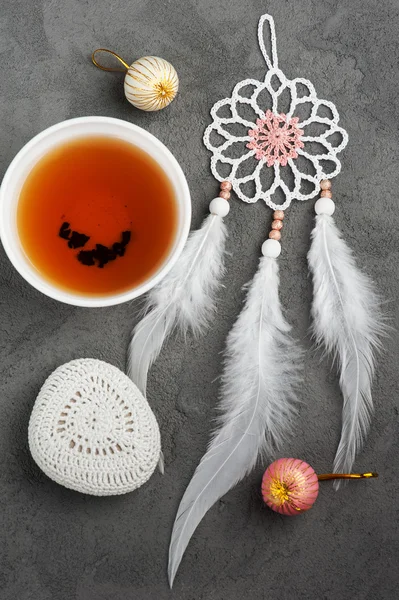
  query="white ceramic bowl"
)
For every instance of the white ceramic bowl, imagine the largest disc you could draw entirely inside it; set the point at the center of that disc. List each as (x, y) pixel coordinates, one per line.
(58, 134)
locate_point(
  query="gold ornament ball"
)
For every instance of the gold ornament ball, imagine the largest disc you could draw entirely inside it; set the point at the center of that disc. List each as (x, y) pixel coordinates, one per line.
(151, 83)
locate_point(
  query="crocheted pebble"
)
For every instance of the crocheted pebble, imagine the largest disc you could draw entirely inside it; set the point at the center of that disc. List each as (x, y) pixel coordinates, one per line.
(93, 431)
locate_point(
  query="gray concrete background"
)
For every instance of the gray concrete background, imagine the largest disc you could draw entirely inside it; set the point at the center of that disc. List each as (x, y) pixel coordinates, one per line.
(60, 545)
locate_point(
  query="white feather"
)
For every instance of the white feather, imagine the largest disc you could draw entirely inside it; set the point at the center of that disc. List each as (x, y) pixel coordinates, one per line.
(257, 403)
(348, 322)
(185, 297)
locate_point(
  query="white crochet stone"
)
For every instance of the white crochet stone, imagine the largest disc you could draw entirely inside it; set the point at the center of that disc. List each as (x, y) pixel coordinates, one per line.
(93, 431)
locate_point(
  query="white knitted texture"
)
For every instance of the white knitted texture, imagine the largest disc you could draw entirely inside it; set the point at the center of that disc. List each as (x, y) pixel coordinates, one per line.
(276, 89)
(92, 430)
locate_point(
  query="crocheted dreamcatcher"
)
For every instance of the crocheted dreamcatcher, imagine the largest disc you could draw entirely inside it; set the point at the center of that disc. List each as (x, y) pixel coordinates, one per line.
(273, 140)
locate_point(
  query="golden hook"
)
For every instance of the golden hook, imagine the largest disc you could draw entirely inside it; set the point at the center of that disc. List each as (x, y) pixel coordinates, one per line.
(93, 58)
(326, 476)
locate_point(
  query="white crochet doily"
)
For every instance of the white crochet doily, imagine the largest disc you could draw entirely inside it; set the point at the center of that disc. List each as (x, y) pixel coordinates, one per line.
(92, 430)
(277, 125)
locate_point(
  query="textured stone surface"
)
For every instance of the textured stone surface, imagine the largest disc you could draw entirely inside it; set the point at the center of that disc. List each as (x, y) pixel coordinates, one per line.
(57, 544)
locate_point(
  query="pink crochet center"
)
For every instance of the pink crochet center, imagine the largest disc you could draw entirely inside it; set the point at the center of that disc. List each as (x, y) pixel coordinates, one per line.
(276, 138)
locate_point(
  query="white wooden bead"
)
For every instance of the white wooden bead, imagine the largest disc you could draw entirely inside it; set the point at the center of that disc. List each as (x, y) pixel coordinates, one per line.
(271, 248)
(220, 207)
(324, 206)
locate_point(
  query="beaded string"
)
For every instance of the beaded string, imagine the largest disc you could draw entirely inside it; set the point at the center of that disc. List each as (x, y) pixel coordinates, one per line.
(325, 204)
(277, 225)
(325, 185)
(225, 188)
(220, 206)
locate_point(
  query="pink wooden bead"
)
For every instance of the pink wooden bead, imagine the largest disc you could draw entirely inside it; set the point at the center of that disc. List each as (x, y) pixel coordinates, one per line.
(275, 235)
(290, 486)
(278, 214)
(326, 194)
(325, 184)
(225, 185)
(277, 225)
(224, 194)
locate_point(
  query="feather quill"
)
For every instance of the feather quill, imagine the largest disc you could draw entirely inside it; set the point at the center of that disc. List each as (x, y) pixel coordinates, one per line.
(185, 297)
(261, 373)
(348, 323)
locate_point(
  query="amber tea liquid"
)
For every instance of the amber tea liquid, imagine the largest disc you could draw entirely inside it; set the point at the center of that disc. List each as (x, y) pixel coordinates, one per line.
(97, 216)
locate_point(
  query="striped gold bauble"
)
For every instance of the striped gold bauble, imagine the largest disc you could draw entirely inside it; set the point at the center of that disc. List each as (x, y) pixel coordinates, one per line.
(151, 83)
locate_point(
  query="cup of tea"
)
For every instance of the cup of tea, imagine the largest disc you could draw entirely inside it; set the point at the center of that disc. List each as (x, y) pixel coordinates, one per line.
(94, 211)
